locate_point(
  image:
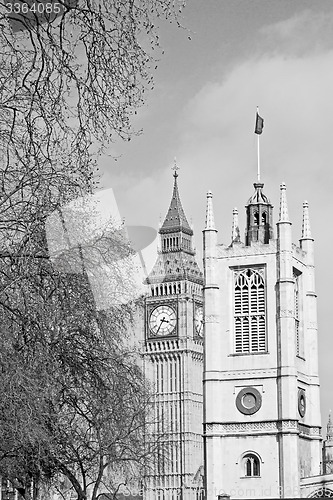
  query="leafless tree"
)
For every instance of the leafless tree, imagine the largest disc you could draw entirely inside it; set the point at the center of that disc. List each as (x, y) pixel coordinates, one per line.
(73, 403)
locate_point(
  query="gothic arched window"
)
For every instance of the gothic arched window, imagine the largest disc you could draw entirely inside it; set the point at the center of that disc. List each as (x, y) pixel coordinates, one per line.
(251, 465)
(264, 218)
(250, 310)
(256, 218)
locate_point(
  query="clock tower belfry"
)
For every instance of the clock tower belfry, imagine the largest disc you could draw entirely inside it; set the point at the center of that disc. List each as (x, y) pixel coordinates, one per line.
(173, 356)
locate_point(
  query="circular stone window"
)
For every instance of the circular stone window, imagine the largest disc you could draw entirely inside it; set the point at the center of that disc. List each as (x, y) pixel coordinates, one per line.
(301, 402)
(248, 400)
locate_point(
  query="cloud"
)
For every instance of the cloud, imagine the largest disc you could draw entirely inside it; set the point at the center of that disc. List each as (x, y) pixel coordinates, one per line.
(305, 33)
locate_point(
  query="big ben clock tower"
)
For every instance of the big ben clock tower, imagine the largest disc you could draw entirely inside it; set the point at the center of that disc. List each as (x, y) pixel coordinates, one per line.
(174, 358)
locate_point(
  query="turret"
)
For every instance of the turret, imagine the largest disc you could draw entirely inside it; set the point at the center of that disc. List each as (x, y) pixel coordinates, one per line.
(287, 375)
(209, 243)
(212, 337)
(259, 217)
(235, 232)
(285, 282)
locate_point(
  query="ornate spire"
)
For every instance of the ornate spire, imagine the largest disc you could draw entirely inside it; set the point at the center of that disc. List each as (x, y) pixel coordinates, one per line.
(175, 168)
(176, 256)
(175, 218)
(329, 432)
(306, 229)
(283, 204)
(210, 224)
(235, 235)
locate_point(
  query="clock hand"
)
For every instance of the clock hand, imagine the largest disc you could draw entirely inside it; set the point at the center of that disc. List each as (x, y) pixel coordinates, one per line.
(163, 320)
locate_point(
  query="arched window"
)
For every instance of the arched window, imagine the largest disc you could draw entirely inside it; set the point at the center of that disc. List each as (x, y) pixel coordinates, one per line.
(251, 465)
(264, 218)
(250, 310)
(256, 218)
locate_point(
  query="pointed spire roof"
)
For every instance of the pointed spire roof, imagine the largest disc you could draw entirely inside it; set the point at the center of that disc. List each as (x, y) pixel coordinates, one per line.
(284, 217)
(210, 224)
(235, 234)
(306, 229)
(175, 218)
(176, 255)
(329, 431)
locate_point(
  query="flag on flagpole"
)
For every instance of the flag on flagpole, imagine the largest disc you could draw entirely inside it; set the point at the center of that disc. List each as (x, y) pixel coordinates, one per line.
(259, 124)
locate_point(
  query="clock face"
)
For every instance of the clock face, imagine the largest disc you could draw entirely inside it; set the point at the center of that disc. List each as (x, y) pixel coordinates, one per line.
(198, 321)
(162, 321)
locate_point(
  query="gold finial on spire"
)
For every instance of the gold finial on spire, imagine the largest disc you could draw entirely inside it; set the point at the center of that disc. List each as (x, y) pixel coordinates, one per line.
(284, 217)
(175, 168)
(306, 229)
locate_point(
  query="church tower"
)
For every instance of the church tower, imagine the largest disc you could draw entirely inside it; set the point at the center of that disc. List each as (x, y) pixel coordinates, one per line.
(262, 424)
(174, 358)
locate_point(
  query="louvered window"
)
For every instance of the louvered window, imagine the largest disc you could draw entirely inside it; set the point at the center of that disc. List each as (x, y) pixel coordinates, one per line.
(250, 311)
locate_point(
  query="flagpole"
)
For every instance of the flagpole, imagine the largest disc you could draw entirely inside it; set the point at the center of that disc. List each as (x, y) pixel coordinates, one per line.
(258, 151)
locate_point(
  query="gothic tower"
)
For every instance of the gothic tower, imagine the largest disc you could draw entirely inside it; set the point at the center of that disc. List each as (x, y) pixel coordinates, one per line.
(174, 358)
(328, 448)
(262, 424)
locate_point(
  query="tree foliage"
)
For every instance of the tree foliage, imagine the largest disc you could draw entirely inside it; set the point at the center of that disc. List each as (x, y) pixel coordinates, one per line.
(74, 402)
(68, 85)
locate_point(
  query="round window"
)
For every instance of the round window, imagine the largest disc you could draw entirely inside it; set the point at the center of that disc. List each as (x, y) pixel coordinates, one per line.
(301, 402)
(248, 400)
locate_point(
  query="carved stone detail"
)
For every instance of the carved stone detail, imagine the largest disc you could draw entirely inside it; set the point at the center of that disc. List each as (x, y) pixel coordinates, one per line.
(244, 427)
(256, 427)
(309, 431)
(211, 318)
(286, 313)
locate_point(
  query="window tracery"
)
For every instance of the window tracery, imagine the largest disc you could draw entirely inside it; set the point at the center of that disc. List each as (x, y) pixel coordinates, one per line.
(251, 465)
(250, 311)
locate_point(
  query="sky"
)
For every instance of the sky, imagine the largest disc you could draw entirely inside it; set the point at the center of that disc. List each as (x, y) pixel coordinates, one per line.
(230, 57)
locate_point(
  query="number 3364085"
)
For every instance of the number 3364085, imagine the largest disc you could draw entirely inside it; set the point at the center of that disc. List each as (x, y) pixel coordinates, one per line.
(36, 7)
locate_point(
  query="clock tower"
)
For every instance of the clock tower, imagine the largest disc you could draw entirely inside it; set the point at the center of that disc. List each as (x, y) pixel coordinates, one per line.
(173, 357)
